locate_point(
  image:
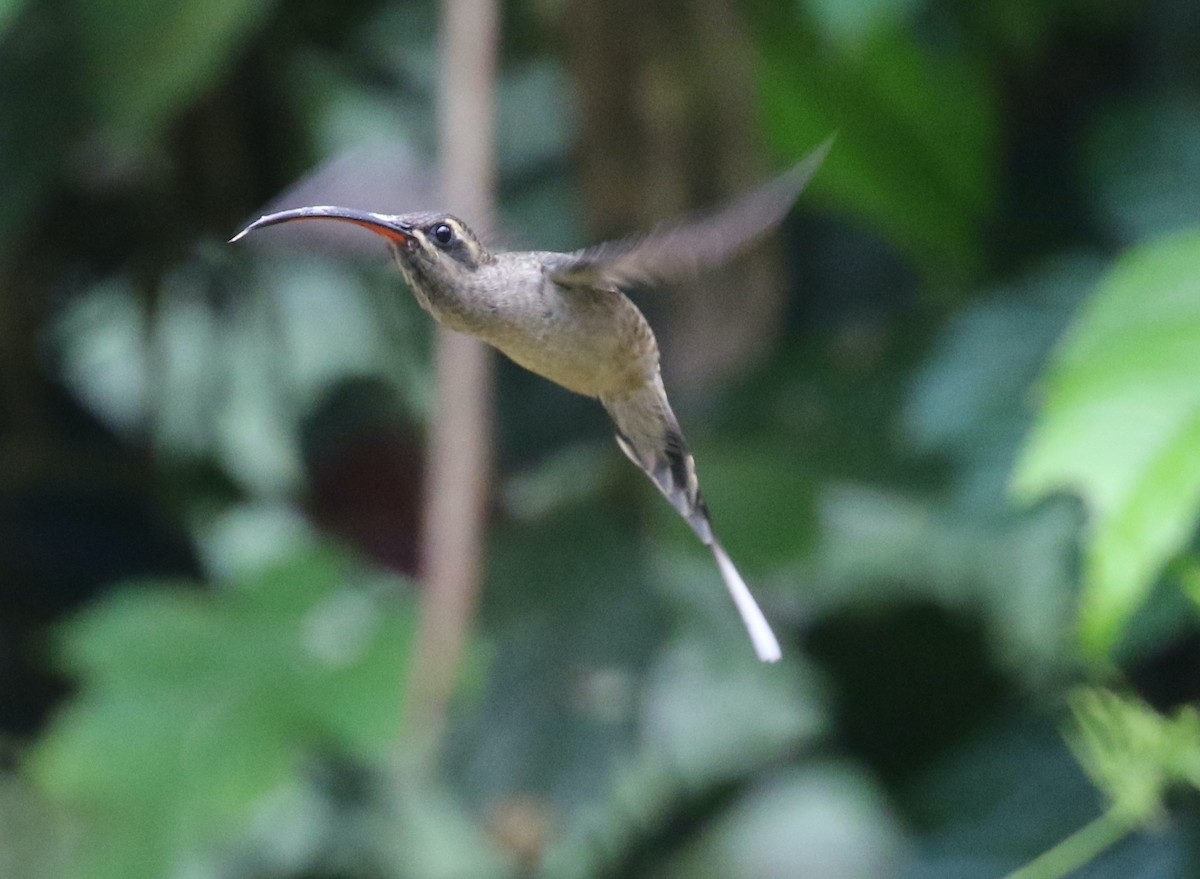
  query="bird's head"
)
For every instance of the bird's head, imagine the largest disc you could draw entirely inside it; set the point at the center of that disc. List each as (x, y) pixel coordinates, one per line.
(432, 249)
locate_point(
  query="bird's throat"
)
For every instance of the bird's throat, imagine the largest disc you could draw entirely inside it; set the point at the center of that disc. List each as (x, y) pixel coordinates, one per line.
(449, 303)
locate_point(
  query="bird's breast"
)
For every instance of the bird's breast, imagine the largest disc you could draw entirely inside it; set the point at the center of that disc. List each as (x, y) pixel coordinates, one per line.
(592, 342)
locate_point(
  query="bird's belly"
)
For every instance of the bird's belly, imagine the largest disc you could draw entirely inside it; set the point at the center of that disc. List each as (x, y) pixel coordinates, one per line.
(588, 363)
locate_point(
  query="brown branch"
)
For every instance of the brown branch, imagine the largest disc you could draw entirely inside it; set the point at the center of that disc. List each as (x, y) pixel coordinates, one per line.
(461, 435)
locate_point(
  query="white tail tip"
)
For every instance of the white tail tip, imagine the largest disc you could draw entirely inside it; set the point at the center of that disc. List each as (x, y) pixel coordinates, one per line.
(765, 643)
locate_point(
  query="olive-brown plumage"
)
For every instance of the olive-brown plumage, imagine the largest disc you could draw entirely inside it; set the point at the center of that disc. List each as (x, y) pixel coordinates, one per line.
(564, 317)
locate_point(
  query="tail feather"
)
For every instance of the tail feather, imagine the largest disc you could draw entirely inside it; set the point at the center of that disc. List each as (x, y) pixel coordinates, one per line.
(766, 645)
(649, 435)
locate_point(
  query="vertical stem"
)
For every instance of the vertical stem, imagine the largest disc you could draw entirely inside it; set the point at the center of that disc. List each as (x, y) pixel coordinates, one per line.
(461, 434)
(1081, 847)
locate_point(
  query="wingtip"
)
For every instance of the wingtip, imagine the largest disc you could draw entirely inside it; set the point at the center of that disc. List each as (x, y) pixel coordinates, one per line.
(823, 149)
(804, 170)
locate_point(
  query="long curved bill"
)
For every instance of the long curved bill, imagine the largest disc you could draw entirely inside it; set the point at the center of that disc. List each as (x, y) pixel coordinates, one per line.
(389, 227)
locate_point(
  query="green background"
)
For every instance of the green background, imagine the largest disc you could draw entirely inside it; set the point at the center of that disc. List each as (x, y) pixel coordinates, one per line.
(960, 465)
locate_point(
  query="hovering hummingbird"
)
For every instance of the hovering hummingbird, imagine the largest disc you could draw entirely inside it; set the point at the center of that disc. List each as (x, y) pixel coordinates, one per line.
(564, 317)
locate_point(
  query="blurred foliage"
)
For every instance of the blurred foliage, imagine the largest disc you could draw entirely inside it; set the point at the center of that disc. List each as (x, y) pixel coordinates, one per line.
(970, 451)
(1134, 754)
(930, 191)
(195, 708)
(1126, 369)
(144, 61)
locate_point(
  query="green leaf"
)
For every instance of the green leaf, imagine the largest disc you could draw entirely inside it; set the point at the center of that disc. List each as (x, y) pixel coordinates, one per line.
(1120, 426)
(916, 154)
(196, 706)
(32, 832)
(146, 61)
(967, 398)
(879, 547)
(828, 807)
(1133, 753)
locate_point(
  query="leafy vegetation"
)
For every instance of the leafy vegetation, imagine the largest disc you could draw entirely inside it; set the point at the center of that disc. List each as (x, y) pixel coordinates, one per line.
(961, 474)
(1119, 426)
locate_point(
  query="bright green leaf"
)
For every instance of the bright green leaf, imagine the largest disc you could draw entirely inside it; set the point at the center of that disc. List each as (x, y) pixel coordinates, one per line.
(1120, 426)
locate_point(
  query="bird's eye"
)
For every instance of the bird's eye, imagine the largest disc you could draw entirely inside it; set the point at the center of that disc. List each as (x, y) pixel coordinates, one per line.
(443, 234)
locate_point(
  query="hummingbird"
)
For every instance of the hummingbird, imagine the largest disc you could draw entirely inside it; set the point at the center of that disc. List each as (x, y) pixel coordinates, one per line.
(565, 317)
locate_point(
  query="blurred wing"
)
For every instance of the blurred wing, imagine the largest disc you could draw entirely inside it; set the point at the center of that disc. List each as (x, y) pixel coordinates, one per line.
(381, 174)
(676, 252)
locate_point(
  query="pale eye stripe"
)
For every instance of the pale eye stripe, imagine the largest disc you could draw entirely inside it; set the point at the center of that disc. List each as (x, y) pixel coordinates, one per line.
(463, 248)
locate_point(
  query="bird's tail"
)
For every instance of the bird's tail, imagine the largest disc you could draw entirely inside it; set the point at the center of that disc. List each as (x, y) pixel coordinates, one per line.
(649, 435)
(766, 645)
